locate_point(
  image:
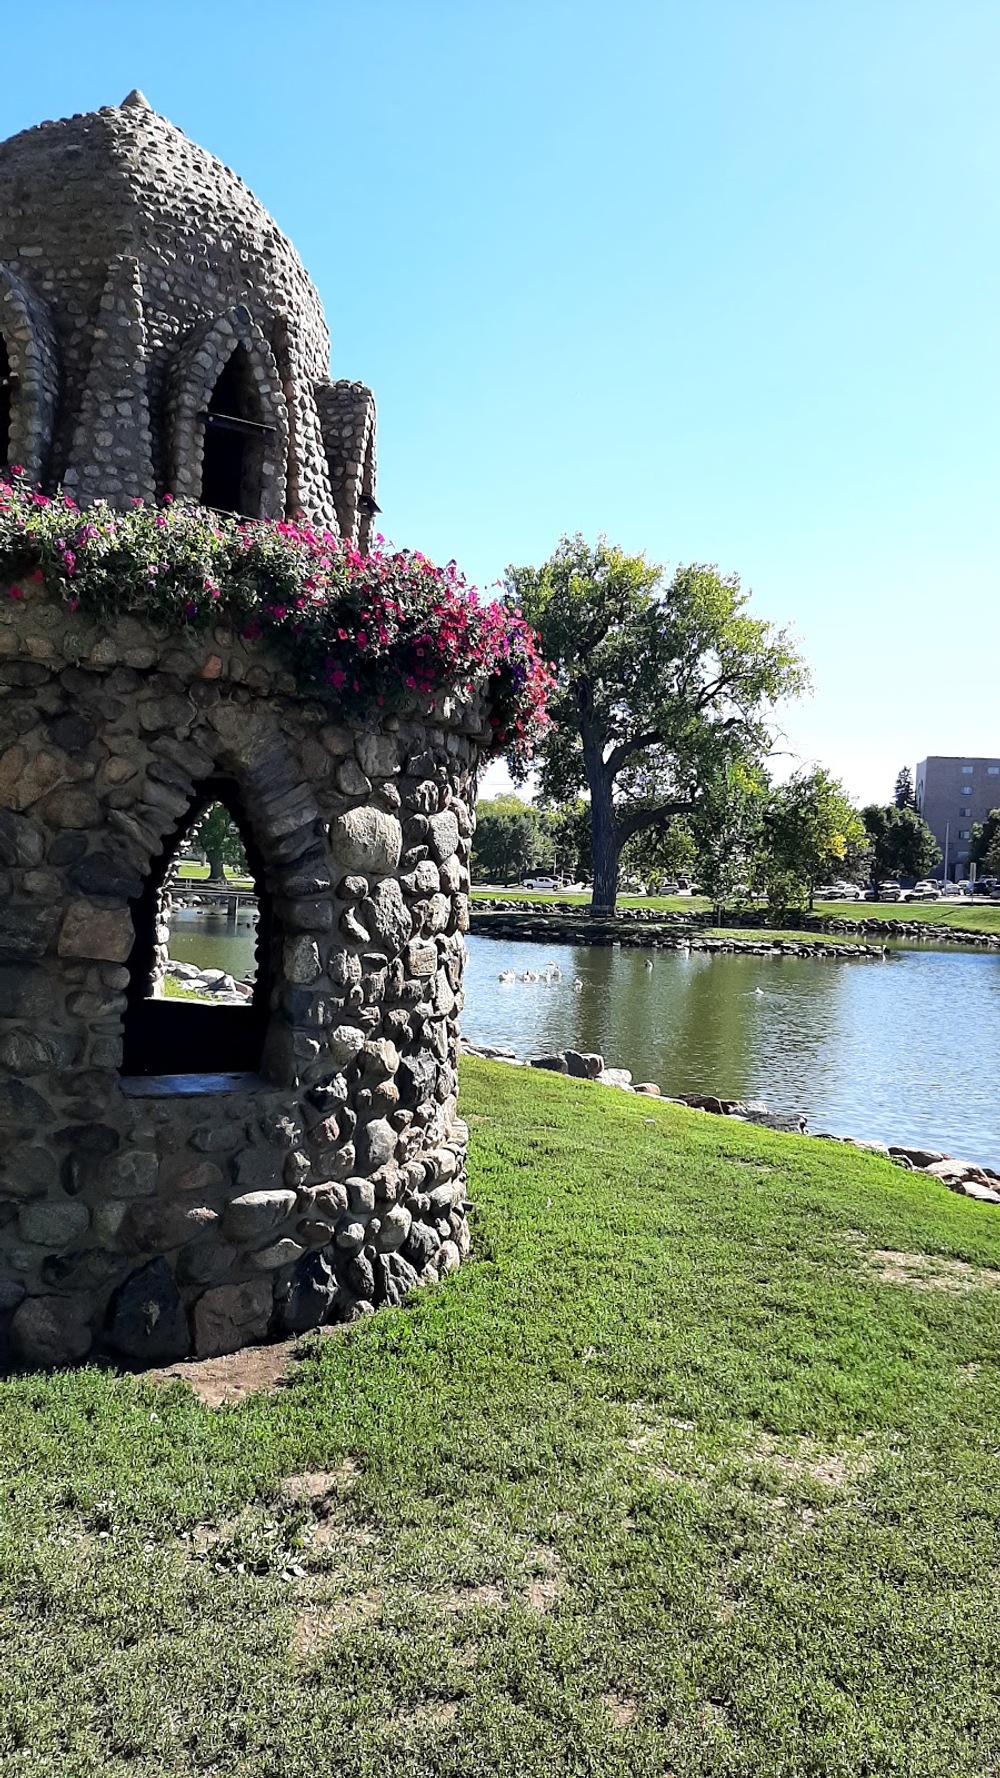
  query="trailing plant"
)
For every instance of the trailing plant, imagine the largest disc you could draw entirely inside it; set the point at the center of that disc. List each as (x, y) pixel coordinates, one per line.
(364, 629)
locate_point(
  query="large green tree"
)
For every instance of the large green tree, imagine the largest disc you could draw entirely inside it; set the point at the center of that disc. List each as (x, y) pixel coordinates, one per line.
(662, 687)
(219, 838)
(985, 848)
(903, 794)
(511, 840)
(810, 827)
(728, 830)
(901, 841)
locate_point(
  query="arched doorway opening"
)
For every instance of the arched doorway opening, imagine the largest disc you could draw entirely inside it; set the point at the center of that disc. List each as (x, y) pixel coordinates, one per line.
(235, 434)
(178, 1027)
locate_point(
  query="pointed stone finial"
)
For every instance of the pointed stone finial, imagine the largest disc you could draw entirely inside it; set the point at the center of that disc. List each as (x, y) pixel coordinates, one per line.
(136, 101)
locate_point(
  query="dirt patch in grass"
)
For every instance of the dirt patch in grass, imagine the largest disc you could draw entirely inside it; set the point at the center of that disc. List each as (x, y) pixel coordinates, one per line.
(319, 1619)
(805, 1461)
(436, 1715)
(315, 1485)
(218, 1382)
(622, 1710)
(925, 1271)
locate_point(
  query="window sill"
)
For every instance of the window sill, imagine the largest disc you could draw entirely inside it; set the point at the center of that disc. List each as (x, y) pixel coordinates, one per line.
(190, 1086)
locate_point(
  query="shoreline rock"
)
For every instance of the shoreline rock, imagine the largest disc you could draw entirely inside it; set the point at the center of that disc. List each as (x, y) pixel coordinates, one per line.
(967, 1178)
(673, 922)
(658, 933)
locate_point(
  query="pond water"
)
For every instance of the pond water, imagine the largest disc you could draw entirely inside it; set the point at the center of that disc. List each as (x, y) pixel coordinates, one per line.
(211, 942)
(898, 1051)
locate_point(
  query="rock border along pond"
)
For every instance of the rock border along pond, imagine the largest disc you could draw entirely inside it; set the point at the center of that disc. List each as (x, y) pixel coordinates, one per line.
(965, 1177)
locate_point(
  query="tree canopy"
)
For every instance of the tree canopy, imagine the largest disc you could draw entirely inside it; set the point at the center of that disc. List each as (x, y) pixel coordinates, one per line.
(663, 687)
(985, 847)
(811, 827)
(510, 840)
(219, 838)
(902, 795)
(901, 841)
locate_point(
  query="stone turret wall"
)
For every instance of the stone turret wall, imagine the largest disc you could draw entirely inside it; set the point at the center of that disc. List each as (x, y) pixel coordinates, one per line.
(151, 1219)
(121, 244)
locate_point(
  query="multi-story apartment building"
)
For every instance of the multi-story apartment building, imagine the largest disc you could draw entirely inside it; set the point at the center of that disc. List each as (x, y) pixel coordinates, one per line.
(953, 793)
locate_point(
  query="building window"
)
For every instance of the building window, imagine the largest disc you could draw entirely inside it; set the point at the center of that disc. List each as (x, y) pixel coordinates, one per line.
(234, 441)
(964, 833)
(968, 770)
(166, 1032)
(965, 811)
(993, 771)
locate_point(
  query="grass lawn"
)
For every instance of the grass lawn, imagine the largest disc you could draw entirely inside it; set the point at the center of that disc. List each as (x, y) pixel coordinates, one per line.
(694, 1470)
(199, 873)
(541, 898)
(979, 917)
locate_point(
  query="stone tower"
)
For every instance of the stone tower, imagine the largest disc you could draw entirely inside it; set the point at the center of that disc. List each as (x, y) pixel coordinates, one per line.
(180, 1178)
(159, 335)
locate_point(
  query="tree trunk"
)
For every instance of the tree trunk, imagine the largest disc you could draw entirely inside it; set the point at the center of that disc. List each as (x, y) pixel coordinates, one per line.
(604, 839)
(216, 869)
(603, 847)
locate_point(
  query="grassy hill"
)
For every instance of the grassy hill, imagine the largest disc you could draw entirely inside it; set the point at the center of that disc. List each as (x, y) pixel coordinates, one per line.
(693, 1470)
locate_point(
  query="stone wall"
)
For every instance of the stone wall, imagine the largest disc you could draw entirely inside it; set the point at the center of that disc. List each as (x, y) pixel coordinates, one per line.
(151, 1219)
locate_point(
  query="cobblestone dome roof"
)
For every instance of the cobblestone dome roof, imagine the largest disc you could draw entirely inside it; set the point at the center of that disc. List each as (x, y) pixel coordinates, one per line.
(133, 263)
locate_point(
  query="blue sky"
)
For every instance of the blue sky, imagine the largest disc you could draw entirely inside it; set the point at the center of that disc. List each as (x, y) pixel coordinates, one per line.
(716, 277)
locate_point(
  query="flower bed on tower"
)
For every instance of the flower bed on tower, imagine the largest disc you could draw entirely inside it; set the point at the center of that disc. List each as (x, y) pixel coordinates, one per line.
(371, 629)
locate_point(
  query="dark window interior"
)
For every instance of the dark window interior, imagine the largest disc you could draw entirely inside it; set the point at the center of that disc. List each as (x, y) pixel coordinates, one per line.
(164, 1036)
(6, 404)
(231, 465)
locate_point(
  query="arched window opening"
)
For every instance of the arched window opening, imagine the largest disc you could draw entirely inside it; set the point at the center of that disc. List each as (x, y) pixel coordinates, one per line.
(6, 403)
(200, 969)
(234, 441)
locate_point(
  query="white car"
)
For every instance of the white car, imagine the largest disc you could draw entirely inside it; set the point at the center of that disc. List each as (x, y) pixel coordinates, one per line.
(539, 883)
(926, 891)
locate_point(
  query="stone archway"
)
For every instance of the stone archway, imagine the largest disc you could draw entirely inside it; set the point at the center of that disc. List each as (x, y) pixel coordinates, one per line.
(29, 339)
(198, 368)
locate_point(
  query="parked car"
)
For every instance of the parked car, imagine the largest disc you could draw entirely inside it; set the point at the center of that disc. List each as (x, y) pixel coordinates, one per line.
(846, 892)
(926, 891)
(540, 883)
(886, 892)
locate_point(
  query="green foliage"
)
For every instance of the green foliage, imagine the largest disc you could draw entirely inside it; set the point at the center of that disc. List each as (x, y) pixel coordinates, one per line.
(727, 826)
(902, 844)
(653, 854)
(511, 841)
(985, 848)
(903, 795)
(809, 828)
(671, 1480)
(514, 838)
(662, 687)
(219, 838)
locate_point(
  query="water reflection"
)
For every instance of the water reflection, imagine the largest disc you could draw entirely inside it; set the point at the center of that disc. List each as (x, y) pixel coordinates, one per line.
(893, 1051)
(211, 942)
